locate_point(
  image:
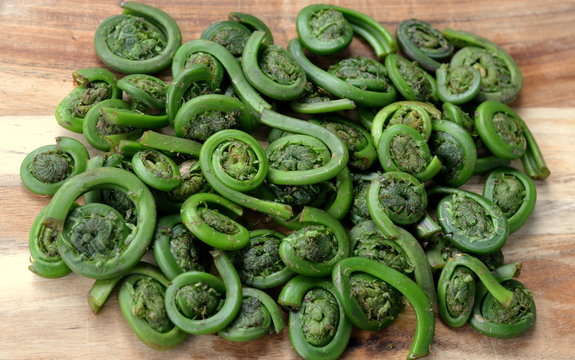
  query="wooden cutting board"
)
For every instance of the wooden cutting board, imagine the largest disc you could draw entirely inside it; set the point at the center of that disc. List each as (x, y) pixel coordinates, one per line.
(42, 42)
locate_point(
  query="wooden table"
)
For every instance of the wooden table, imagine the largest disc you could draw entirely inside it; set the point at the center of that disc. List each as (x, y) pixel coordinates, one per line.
(42, 42)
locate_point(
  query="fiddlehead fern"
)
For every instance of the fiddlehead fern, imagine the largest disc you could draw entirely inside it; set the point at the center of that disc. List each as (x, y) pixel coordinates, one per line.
(333, 196)
(419, 41)
(251, 168)
(470, 222)
(200, 303)
(141, 301)
(362, 72)
(415, 114)
(239, 82)
(259, 315)
(501, 79)
(142, 304)
(92, 86)
(402, 149)
(205, 115)
(147, 93)
(212, 227)
(314, 249)
(457, 85)
(514, 192)
(230, 34)
(107, 256)
(492, 318)
(410, 206)
(296, 153)
(142, 40)
(323, 29)
(337, 86)
(326, 29)
(191, 80)
(44, 170)
(96, 127)
(318, 326)
(156, 169)
(271, 69)
(176, 250)
(335, 164)
(44, 257)
(507, 136)
(456, 288)
(501, 130)
(456, 150)
(410, 80)
(425, 327)
(374, 304)
(259, 263)
(401, 195)
(368, 241)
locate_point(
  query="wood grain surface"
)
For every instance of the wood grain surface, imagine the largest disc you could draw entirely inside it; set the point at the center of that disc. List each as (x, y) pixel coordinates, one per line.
(43, 41)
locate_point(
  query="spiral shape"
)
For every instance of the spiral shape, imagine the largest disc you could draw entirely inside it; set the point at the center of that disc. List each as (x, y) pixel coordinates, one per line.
(314, 249)
(271, 69)
(470, 222)
(425, 327)
(92, 86)
(46, 169)
(318, 326)
(420, 42)
(142, 40)
(114, 256)
(514, 192)
(200, 303)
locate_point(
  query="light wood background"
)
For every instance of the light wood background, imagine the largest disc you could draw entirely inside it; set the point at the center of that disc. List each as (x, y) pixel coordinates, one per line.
(43, 41)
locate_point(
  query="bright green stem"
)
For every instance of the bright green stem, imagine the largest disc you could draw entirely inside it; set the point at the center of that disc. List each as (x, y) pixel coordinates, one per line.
(135, 119)
(171, 144)
(488, 163)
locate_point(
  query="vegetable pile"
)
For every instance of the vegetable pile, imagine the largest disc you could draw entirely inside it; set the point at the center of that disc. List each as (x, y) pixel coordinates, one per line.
(353, 207)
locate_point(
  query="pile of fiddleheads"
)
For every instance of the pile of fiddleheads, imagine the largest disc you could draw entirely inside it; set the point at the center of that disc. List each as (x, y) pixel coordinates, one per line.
(353, 204)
